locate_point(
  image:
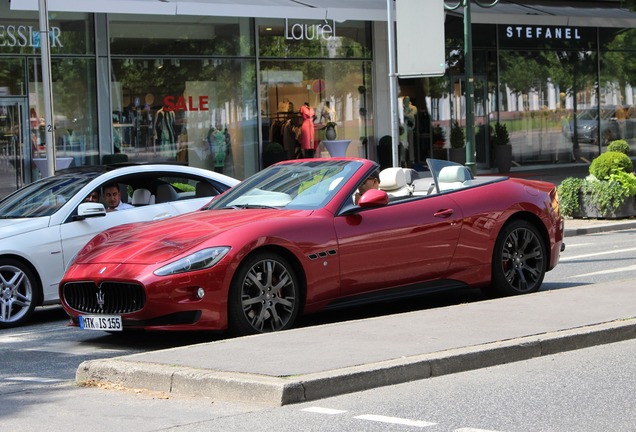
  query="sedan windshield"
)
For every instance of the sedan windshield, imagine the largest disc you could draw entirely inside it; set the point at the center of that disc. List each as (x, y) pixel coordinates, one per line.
(42, 198)
(304, 185)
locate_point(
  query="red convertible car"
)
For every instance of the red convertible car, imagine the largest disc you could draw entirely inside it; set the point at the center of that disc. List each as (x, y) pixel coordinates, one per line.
(290, 240)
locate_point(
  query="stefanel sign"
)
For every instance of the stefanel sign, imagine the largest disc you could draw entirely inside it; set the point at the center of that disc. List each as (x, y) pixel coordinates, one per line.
(553, 37)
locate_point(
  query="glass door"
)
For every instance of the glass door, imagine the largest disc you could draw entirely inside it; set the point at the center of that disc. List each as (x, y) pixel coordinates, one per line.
(14, 144)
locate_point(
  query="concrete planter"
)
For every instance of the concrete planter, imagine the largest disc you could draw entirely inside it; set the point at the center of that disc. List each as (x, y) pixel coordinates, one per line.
(587, 210)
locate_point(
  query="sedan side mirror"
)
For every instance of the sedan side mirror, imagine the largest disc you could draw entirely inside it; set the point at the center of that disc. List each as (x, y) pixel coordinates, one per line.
(90, 209)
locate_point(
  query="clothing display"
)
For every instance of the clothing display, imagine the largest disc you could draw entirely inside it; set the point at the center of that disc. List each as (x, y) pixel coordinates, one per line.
(307, 130)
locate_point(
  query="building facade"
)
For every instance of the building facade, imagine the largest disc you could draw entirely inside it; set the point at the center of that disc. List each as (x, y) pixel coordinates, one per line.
(225, 92)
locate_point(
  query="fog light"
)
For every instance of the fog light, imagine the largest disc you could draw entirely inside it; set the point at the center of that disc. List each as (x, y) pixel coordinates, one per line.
(200, 293)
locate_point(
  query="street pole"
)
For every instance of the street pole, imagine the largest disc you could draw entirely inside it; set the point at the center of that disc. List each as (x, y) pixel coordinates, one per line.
(395, 135)
(470, 79)
(45, 52)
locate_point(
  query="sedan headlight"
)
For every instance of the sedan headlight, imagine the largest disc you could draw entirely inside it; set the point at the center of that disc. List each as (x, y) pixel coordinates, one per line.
(199, 260)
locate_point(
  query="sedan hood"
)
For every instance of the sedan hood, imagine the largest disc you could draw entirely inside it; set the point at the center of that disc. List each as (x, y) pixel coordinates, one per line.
(13, 227)
(149, 243)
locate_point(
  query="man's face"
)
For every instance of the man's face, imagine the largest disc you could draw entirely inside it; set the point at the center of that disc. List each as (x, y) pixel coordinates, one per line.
(370, 183)
(112, 196)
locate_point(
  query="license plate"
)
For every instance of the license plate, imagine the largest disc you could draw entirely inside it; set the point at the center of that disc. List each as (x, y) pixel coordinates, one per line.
(100, 322)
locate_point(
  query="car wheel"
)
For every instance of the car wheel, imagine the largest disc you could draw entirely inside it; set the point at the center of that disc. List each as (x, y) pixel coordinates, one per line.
(264, 295)
(18, 293)
(519, 260)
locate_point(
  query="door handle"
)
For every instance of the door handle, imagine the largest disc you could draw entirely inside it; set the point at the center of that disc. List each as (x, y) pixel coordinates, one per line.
(444, 213)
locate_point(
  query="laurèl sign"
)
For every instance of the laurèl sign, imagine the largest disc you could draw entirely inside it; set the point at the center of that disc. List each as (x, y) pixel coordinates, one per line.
(298, 31)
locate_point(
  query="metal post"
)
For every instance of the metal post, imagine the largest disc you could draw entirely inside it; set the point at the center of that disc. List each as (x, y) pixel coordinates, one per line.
(470, 90)
(46, 85)
(395, 135)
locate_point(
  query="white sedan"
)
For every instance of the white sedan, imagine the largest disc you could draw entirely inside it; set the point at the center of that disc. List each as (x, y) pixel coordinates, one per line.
(44, 224)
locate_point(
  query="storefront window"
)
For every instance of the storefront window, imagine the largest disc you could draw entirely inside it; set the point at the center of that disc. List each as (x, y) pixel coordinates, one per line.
(12, 77)
(181, 36)
(202, 112)
(330, 73)
(74, 108)
(336, 91)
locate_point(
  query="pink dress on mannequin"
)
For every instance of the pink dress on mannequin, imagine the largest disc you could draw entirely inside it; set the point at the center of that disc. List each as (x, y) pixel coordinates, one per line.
(307, 129)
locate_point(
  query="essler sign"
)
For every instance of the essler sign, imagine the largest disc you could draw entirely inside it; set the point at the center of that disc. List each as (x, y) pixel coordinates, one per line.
(297, 31)
(22, 36)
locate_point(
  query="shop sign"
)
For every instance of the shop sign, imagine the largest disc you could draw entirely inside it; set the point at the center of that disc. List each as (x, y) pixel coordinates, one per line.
(22, 36)
(542, 33)
(298, 31)
(183, 104)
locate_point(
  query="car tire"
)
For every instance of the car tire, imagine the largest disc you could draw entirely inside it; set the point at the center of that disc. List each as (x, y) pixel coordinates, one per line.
(264, 295)
(19, 293)
(519, 260)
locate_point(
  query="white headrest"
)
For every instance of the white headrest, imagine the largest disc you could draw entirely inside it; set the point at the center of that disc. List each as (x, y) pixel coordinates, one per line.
(454, 173)
(142, 197)
(392, 179)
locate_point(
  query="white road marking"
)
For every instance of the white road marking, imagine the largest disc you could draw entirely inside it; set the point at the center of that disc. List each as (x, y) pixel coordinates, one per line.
(395, 420)
(320, 410)
(608, 271)
(595, 254)
(34, 379)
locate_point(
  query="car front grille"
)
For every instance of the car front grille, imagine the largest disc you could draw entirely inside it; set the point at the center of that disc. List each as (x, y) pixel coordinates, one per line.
(107, 298)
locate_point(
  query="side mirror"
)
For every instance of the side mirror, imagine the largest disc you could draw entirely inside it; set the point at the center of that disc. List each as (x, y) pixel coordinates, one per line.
(89, 210)
(373, 198)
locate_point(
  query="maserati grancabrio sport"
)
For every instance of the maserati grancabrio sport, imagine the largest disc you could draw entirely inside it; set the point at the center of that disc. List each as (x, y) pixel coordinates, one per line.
(295, 239)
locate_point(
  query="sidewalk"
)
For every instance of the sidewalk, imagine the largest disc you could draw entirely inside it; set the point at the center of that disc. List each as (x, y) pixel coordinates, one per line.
(317, 362)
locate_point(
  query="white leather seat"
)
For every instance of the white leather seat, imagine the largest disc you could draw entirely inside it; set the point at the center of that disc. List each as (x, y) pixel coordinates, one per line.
(166, 193)
(393, 182)
(453, 177)
(142, 197)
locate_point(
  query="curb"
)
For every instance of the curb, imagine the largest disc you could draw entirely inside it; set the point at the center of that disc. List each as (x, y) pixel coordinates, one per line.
(602, 227)
(281, 390)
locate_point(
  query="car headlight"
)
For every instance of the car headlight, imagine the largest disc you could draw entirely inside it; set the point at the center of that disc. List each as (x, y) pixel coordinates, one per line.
(199, 260)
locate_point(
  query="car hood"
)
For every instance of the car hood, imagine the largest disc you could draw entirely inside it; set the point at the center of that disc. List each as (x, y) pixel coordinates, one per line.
(13, 227)
(149, 243)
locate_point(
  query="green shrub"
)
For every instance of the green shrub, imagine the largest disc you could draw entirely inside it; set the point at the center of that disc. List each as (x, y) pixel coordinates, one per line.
(457, 137)
(620, 146)
(568, 192)
(603, 165)
(500, 134)
(627, 180)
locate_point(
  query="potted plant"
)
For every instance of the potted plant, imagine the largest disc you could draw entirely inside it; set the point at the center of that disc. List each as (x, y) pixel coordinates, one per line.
(607, 193)
(458, 143)
(502, 148)
(330, 130)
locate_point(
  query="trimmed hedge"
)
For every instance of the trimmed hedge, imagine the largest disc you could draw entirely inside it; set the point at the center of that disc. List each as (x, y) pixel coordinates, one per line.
(606, 163)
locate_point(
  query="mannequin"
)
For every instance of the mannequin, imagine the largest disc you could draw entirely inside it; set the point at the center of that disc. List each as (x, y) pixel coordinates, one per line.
(410, 116)
(327, 114)
(307, 130)
(164, 128)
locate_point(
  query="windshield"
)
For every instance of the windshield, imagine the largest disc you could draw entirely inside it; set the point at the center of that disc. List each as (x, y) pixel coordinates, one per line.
(42, 198)
(304, 185)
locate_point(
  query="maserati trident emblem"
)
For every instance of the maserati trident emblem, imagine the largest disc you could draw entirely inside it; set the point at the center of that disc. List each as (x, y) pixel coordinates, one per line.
(100, 299)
